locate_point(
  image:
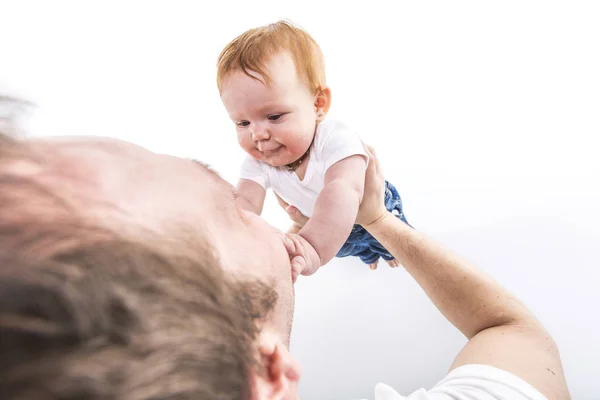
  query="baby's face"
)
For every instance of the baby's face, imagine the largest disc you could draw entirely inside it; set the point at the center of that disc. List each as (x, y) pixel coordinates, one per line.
(275, 123)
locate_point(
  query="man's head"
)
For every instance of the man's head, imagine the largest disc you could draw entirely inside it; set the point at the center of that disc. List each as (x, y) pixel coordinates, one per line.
(272, 83)
(128, 274)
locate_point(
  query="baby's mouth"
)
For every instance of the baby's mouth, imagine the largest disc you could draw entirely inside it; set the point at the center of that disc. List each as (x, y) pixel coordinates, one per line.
(271, 150)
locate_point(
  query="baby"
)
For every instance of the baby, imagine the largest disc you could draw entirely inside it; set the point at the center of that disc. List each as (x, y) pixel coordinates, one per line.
(271, 81)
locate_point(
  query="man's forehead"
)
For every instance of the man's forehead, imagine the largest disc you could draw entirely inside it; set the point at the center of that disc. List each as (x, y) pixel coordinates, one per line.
(207, 168)
(112, 146)
(85, 159)
(113, 169)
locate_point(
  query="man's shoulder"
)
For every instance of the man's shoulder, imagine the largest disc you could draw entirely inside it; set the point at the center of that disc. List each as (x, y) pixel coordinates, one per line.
(469, 382)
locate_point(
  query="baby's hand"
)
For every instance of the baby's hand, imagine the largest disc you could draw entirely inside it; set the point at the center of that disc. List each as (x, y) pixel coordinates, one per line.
(304, 258)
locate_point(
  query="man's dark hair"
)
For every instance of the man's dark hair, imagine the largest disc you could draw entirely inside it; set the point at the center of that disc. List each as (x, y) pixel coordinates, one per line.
(86, 313)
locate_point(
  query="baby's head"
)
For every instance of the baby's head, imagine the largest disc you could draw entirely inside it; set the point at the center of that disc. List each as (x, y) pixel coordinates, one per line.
(272, 83)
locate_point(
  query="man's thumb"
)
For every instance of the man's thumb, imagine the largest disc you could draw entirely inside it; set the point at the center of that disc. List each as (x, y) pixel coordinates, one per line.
(296, 216)
(291, 210)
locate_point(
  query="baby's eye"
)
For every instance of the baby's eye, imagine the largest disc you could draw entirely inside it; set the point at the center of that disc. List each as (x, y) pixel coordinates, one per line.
(242, 123)
(274, 117)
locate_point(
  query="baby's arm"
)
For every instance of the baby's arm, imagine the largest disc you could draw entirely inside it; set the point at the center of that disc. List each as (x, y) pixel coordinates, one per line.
(335, 211)
(252, 195)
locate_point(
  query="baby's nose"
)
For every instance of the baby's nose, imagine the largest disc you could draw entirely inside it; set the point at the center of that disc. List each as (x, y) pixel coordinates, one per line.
(260, 134)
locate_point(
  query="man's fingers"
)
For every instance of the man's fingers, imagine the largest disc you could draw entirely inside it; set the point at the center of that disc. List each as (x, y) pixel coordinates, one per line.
(374, 169)
(371, 150)
(296, 216)
(281, 202)
(373, 156)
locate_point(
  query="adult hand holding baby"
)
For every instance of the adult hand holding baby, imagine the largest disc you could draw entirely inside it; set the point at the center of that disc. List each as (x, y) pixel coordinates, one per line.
(372, 210)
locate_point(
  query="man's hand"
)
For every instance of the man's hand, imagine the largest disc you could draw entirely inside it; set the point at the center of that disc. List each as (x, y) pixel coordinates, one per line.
(303, 257)
(372, 208)
(298, 219)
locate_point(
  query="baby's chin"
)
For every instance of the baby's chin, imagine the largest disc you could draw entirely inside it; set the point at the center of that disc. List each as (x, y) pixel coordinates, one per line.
(276, 163)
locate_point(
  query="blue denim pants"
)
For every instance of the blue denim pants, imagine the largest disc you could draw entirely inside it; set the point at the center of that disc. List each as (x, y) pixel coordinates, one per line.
(361, 244)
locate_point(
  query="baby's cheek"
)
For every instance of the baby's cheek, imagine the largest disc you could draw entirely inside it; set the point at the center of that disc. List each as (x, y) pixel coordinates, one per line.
(298, 147)
(250, 149)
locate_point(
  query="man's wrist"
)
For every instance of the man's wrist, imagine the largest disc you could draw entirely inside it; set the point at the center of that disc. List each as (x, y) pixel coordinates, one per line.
(377, 221)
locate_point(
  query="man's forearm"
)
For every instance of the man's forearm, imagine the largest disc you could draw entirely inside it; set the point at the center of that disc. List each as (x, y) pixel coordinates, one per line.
(332, 220)
(468, 298)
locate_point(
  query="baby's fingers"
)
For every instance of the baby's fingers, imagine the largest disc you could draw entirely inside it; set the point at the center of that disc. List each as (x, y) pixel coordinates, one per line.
(298, 265)
(290, 246)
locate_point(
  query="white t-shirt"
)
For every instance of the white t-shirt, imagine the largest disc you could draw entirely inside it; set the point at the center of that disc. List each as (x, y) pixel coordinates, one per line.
(470, 382)
(333, 142)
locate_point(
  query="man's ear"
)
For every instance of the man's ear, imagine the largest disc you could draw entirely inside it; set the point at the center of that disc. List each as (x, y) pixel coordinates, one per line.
(280, 371)
(322, 102)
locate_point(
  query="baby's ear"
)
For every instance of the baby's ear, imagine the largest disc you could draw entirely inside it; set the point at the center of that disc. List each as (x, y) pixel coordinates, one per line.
(322, 102)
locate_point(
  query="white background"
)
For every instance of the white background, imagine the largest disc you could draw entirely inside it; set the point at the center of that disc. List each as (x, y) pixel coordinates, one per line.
(485, 116)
